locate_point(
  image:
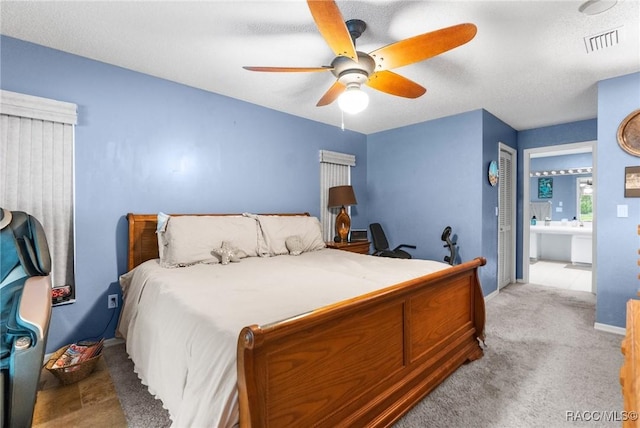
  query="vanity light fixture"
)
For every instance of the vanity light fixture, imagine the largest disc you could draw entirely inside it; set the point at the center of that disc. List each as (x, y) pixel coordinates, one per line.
(570, 171)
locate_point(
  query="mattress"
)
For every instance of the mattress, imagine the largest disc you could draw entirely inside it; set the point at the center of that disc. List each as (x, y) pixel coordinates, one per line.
(181, 325)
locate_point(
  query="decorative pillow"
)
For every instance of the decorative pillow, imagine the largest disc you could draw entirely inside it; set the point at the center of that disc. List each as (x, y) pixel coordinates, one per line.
(294, 245)
(190, 239)
(276, 230)
(263, 250)
(228, 253)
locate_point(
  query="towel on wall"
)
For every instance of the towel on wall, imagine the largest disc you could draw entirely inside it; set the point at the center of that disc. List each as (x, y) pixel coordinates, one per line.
(541, 210)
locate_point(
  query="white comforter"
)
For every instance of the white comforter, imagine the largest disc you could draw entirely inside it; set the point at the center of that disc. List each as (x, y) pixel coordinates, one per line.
(181, 325)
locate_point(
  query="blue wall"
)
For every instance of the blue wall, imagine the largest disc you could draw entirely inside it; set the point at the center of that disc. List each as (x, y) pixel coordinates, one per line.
(145, 145)
(617, 238)
(494, 131)
(558, 162)
(414, 183)
(424, 177)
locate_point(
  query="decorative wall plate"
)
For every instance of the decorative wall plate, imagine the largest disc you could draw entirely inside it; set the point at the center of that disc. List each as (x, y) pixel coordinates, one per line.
(629, 133)
(493, 173)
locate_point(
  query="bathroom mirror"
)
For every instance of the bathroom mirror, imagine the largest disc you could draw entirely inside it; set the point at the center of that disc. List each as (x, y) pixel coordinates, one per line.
(572, 196)
(568, 196)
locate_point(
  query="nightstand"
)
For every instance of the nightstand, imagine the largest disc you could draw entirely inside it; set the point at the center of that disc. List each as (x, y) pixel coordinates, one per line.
(361, 247)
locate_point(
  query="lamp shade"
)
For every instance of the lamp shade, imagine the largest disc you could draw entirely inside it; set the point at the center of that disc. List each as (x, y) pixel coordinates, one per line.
(340, 196)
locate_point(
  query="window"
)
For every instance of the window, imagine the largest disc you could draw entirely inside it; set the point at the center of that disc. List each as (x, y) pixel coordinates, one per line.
(584, 191)
(36, 170)
(335, 170)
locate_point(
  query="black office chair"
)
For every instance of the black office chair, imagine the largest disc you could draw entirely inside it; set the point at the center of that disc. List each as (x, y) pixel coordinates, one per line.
(381, 245)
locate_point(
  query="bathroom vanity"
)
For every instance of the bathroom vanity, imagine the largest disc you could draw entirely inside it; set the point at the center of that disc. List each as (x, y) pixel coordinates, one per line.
(561, 242)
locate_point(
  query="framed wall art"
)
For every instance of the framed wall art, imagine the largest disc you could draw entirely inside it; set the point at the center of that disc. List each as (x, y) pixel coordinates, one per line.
(545, 188)
(632, 182)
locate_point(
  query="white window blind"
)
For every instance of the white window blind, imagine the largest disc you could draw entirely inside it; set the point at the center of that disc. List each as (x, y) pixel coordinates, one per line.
(335, 170)
(36, 170)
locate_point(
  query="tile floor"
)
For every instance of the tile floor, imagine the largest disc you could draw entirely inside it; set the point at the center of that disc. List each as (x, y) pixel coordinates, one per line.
(90, 403)
(560, 275)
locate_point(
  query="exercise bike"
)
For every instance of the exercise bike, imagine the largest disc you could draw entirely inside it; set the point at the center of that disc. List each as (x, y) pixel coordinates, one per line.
(453, 251)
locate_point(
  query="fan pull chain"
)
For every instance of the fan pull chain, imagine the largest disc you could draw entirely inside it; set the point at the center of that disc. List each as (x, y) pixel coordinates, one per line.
(342, 115)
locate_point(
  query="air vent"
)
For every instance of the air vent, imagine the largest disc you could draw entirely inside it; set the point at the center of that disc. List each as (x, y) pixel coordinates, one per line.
(604, 40)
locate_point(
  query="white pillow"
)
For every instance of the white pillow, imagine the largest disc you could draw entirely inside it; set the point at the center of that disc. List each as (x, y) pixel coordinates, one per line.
(191, 239)
(276, 230)
(263, 250)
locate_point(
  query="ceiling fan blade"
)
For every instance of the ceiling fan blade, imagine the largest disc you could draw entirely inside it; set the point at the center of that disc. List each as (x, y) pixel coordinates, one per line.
(330, 96)
(289, 69)
(422, 47)
(332, 27)
(394, 84)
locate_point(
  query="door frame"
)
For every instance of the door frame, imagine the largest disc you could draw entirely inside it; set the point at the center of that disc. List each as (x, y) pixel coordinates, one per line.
(514, 214)
(556, 150)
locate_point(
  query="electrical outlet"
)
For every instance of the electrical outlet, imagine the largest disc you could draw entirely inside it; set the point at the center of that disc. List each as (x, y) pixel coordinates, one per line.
(112, 301)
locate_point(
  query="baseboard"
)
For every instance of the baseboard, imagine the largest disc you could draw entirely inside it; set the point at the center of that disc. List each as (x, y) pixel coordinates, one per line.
(610, 328)
(113, 341)
(491, 295)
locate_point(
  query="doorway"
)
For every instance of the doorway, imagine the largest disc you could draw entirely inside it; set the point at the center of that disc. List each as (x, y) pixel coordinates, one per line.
(528, 192)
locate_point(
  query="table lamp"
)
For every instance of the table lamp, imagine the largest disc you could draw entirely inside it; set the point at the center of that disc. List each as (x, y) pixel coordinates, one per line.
(340, 196)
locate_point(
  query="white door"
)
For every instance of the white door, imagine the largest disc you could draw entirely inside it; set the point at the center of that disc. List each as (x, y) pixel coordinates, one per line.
(506, 216)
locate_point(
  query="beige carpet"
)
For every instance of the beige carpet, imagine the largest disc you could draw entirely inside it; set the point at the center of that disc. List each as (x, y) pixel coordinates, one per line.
(543, 359)
(140, 408)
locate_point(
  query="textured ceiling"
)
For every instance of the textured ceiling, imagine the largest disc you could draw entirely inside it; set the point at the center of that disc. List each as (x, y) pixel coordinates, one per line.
(527, 65)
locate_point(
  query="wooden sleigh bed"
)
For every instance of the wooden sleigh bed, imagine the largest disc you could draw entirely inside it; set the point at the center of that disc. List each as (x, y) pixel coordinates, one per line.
(362, 362)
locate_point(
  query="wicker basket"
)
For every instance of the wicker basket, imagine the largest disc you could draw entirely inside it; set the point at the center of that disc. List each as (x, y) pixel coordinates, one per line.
(73, 373)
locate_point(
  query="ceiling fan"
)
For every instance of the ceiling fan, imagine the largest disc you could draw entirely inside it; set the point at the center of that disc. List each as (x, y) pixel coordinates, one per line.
(353, 68)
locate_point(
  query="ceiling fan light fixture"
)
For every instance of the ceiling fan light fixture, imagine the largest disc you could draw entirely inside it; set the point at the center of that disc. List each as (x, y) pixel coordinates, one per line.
(353, 100)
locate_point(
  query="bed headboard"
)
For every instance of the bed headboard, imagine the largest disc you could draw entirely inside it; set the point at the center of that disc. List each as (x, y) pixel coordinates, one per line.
(143, 242)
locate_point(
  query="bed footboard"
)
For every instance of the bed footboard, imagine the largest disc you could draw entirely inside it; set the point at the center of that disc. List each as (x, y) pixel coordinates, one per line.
(365, 361)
